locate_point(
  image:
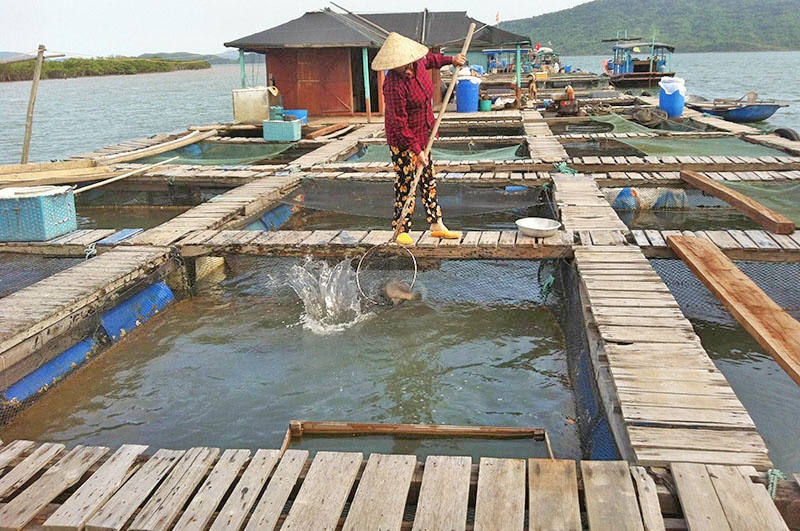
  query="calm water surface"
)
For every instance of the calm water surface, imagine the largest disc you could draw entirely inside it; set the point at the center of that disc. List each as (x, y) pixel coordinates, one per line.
(79, 115)
(232, 366)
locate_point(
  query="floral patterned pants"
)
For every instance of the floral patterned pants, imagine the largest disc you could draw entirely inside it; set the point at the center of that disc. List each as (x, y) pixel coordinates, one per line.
(405, 168)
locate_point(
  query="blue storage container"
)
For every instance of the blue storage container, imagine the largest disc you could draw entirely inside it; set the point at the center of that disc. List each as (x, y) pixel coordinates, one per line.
(671, 97)
(467, 95)
(281, 131)
(36, 213)
(296, 114)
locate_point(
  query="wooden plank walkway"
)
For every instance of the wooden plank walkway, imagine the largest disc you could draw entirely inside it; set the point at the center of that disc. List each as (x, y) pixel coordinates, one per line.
(34, 315)
(240, 490)
(333, 149)
(773, 327)
(334, 243)
(665, 399)
(750, 244)
(584, 208)
(219, 210)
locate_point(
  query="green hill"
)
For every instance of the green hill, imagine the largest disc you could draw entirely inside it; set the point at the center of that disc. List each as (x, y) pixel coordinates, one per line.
(692, 26)
(221, 59)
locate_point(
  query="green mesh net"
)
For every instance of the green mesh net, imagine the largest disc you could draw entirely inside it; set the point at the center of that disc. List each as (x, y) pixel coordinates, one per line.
(621, 125)
(700, 147)
(780, 197)
(380, 153)
(219, 154)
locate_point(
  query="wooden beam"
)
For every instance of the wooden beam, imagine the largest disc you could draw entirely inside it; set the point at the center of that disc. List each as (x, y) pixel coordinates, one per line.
(327, 130)
(770, 325)
(47, 166)
(303, 427)
(767, 218)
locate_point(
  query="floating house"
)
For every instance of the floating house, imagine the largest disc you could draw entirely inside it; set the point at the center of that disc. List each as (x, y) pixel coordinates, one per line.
(320, 61)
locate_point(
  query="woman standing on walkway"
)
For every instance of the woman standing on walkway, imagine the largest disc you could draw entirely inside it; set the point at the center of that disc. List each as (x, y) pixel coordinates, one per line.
(408, 96)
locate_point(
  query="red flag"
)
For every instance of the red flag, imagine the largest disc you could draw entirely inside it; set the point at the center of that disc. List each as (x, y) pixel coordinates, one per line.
(538, 46)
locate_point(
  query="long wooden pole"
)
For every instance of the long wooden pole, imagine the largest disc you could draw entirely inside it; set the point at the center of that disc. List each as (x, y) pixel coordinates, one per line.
(37, 72)
(123, 176)
(432, 137)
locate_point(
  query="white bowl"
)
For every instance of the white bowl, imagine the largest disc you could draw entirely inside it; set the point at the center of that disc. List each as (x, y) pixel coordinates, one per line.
(538, 227)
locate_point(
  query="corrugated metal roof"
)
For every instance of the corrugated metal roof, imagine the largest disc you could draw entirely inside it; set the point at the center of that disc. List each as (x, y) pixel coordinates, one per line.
(445, 29)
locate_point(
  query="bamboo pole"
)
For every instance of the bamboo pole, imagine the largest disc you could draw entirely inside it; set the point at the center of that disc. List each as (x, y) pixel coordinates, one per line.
(123, 176)
(442, 110)
(37, 72)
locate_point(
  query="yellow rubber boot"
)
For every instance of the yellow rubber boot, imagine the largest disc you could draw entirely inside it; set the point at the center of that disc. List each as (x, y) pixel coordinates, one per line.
(404, 238)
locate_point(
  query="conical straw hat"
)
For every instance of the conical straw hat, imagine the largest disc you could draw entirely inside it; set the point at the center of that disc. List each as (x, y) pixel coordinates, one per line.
(398, 51)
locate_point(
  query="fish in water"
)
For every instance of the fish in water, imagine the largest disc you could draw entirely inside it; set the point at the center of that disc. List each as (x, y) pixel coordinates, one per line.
(398, 292)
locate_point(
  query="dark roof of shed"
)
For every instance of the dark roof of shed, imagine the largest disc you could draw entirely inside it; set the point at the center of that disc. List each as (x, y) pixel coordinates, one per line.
(446, 29)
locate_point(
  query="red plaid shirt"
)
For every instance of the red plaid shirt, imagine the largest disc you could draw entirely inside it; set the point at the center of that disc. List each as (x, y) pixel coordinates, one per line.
(409, 105)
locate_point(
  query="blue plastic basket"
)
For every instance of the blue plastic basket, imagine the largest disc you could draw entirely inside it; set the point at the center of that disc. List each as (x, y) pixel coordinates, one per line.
(36, 213)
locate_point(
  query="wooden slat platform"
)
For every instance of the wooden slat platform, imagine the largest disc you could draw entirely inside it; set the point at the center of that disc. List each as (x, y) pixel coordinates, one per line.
(664, 397)
(128, 491)
(333, 243)
(336, 147)
(42, 311)
(753, 245)
(213, 214)
(772, 326)
(583, 207)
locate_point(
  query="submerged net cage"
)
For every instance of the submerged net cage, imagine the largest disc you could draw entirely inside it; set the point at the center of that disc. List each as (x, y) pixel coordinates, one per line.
(220, 154)
(659, 198)
(783, 197)
(375, 199)
(19, 271)
(470, 151)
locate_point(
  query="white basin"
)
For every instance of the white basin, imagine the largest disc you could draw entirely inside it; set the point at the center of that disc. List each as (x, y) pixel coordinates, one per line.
(538, 227)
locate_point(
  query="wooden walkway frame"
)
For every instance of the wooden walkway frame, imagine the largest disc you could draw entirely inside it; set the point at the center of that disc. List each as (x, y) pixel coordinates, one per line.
(203, 488)
(773, 328)
(767, 218)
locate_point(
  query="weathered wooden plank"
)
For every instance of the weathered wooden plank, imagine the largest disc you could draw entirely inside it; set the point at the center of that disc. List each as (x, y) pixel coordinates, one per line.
(444, 494)
(269, 508)
(14, 450)
(648, 499)
(29, 467)
(553, 495)
(119, 509)
(203, 504)
(246, 491)
(701, 507)
(767, 218)
(610, 497)
(67, 472)
(162, 510)
(500, 502)
(736, 497)
(73, 513)
(327, 485)
(774, 329)
(380, 499)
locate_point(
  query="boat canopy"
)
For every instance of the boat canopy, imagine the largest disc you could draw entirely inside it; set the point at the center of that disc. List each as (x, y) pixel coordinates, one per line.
(631, 45)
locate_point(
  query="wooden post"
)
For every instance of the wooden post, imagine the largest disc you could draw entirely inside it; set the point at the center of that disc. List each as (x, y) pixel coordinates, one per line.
(365, 59)
(37, 72)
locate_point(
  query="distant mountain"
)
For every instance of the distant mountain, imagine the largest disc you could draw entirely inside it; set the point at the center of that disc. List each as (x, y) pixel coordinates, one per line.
(228, 57)
(8, 55)
(692, 26)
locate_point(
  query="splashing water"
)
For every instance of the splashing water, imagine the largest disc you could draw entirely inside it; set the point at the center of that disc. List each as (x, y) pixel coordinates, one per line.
(330, 295)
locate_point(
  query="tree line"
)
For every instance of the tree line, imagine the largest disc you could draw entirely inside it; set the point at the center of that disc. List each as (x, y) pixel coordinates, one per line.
(108, 66)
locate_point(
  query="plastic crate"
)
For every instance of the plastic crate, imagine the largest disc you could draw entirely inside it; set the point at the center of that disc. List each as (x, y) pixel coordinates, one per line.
(36, 213)
(282, 131)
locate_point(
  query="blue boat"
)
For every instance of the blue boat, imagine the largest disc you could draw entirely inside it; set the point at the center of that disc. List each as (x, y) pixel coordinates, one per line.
(746, 109)
(638, 64)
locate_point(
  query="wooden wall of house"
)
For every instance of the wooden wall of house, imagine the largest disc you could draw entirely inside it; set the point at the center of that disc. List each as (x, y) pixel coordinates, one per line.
(316, 79)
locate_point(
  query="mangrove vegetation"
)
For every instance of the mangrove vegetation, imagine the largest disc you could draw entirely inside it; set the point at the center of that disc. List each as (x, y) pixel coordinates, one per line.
(104, 66)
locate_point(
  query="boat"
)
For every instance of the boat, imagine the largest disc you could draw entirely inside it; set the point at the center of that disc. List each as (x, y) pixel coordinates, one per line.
(627, 69)
(746, 109)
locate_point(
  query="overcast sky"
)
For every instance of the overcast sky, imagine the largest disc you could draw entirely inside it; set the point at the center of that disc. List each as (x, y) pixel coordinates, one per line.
(133, 27)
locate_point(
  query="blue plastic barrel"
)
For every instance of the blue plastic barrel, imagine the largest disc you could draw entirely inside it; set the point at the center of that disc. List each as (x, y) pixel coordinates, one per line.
(671, 96)
(467, 96)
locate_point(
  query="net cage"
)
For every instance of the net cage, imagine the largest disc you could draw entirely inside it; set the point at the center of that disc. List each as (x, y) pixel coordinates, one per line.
(60, 356)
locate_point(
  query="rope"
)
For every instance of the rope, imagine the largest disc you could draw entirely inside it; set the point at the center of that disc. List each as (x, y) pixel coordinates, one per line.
(774, 475)
(562, 167)
(90, 251)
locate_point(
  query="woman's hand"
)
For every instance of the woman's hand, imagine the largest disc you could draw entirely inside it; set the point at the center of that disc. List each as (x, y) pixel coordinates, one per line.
(460, 60)
(422, 159)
